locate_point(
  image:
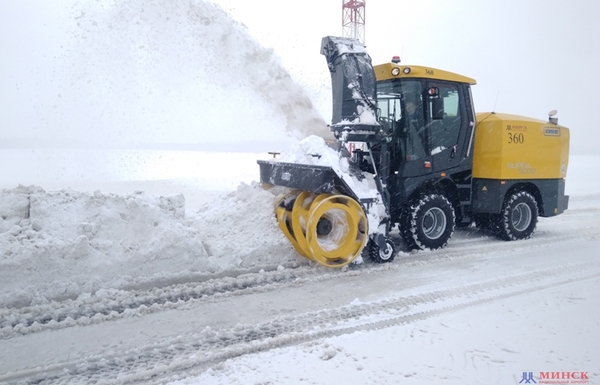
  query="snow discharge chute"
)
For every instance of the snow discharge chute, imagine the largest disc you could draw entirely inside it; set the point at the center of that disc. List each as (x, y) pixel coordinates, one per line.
(353, 86)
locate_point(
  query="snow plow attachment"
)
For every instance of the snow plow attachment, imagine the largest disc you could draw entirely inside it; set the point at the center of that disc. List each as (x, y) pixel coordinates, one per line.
(320, 217)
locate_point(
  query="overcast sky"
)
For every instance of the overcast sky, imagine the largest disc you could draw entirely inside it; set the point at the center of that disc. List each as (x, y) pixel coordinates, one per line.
(528, 57)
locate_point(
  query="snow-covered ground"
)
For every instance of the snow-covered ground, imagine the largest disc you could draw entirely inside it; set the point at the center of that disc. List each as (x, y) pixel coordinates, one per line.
(153, 285)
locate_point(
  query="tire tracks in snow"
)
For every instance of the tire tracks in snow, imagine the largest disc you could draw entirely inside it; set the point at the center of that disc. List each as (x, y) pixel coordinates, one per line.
(184, 356)
(116, 304)
(113, 304)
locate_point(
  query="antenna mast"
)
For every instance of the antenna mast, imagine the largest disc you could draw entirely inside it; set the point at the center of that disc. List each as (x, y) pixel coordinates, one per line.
(353, 19)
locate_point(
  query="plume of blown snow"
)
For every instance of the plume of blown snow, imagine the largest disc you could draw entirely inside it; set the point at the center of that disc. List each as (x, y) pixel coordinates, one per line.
(153, 71)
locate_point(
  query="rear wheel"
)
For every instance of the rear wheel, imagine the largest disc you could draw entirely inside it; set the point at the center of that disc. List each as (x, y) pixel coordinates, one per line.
(518, 218)
(428, 222)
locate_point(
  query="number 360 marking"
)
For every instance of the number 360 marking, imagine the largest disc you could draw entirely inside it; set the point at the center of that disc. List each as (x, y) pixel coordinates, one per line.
(516, 138)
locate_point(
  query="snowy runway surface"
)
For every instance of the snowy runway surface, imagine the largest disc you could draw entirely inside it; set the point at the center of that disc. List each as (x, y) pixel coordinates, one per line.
(102, 286)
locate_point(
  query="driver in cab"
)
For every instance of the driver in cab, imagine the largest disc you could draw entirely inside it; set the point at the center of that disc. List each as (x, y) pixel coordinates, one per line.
(411, 127)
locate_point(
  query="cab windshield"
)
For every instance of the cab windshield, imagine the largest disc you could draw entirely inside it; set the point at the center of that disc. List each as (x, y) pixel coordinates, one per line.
(422, 123)
(401, 111)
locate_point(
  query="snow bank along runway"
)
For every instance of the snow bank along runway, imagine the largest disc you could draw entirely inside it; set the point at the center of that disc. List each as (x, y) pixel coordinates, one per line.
(62, 245)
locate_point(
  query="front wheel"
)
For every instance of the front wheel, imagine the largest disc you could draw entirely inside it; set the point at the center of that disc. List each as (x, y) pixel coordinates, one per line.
(428, 222)
(379, 255)
(518, 218)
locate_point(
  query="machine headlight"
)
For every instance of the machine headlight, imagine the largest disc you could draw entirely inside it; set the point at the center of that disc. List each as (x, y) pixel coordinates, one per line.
(395, 71)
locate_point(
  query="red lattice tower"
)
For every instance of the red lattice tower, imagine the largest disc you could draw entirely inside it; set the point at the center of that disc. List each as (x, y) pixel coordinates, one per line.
(353, 19)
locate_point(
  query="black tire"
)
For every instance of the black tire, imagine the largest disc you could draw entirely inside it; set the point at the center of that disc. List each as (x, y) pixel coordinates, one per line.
(427, 222)
(518, 218)
(404, 227)
(378, 255)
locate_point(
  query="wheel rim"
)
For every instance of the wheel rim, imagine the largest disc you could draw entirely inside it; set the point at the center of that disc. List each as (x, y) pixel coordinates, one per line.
(434, 223)
(521, 216)
(387, 253)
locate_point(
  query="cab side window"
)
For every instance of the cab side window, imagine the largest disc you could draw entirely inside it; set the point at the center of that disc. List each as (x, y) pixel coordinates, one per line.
(444, 132)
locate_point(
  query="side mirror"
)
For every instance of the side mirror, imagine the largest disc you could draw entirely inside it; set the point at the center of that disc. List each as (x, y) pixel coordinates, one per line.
(437, 103)
(437, 108)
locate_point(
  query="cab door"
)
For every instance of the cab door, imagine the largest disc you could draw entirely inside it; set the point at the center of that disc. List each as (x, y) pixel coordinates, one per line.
(448, 124)
(413, 132)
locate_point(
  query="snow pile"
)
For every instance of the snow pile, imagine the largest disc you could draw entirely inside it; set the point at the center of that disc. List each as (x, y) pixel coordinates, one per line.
(314, 150)
(239, 229)
(57, 245)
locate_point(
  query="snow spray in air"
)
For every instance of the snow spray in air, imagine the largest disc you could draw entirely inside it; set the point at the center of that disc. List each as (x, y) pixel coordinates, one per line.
(157, 71)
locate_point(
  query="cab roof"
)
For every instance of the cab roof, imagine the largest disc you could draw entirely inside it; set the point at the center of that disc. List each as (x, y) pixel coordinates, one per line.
(386, 72)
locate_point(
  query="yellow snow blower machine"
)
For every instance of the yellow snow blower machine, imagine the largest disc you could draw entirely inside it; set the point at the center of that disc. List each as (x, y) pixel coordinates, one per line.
(417, 159)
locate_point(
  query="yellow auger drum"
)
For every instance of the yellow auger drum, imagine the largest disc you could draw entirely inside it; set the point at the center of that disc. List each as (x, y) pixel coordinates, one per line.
(325, 228)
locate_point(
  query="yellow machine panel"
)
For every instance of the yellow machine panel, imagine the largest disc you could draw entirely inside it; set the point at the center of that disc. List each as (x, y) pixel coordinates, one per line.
(517, 147)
